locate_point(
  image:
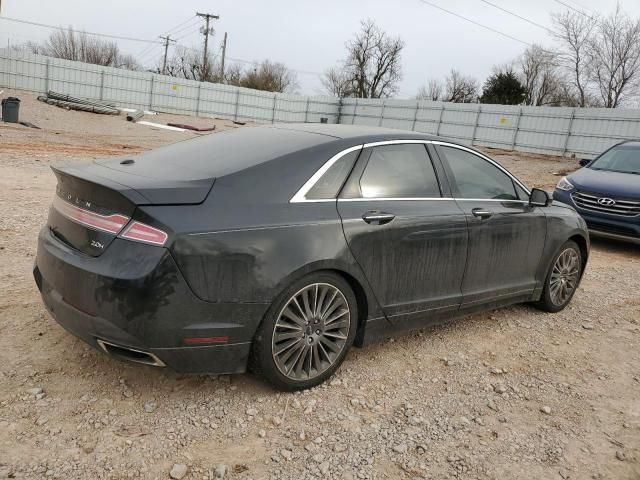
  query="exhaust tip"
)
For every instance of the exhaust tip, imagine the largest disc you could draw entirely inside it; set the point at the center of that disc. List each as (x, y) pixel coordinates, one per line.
(130, 354)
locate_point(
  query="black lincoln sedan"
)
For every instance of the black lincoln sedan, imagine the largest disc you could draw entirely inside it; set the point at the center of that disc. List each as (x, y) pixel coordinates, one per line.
(277, 248)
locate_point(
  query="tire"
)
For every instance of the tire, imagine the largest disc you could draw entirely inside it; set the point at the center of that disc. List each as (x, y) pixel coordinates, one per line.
(298, 348)
(562, 280)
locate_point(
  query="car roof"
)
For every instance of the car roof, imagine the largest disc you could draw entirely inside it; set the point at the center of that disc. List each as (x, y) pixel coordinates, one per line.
(365, 133)
(629, 143)
(227, 152)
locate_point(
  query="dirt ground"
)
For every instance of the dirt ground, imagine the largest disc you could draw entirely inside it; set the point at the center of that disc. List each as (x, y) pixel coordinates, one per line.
(514, 393)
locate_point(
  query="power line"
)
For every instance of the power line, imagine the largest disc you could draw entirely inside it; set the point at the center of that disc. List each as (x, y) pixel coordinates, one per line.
(188, 34)
(584, 6)
(188, 20)
(516, 15)
(105, 35)
(187, 27)
(575, 9)
(506, 35)
(144, 53)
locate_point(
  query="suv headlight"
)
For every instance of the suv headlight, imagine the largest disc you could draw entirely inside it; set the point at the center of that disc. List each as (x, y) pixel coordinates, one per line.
(564, 184)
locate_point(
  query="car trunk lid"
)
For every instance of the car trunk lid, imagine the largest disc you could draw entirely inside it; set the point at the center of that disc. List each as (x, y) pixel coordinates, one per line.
(94, 203)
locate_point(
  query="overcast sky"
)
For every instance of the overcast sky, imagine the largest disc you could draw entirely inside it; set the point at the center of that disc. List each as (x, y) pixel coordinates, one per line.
(309, 36)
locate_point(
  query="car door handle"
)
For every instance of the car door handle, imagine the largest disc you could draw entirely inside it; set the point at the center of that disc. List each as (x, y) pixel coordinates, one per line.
(482, 213)
(378, 218)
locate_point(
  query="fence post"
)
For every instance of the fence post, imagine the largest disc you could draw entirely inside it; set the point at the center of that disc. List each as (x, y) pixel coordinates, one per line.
(102, 85)
(355, 111)
(415, 116)
(475, 125)
(198, 100)
(440, 120)
(306, 112)
(515, 133)
(235, 114)
(273, 111)
(566, 140)
(384, 104)
(151, 92)
(339, 110)
(46, 81)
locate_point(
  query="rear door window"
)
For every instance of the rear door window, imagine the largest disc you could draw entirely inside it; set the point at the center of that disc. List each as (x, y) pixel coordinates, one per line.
(475, 177)
(399, 171)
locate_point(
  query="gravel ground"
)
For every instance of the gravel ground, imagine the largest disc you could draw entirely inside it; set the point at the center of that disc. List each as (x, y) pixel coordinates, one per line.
(514, 393)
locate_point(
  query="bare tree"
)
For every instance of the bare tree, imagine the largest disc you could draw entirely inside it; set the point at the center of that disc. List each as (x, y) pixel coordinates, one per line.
(614, 57)
(433, 90)
(270, 76)
(372, 68)
(574, 31)
(82, 47)
(338, 82)
(128, 62)
(460, 88)
(185, 62)
(539, 75)
(233, 74)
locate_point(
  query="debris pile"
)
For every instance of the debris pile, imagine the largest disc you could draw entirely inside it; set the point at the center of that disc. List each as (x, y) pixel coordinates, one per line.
(133, 115)
(78, 103)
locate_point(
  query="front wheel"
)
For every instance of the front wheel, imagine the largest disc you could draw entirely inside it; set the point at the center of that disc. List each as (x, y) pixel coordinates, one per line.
(306, 332)
(562, 281)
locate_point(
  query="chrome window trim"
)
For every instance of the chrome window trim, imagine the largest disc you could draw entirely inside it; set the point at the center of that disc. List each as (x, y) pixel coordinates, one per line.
(300, 196)
(501, 200)
(395, 199)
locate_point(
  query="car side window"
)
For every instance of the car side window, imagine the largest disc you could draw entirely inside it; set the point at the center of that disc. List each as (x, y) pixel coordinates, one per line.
(474, 177)
(330, 183)
(522, 193)
(399, 171)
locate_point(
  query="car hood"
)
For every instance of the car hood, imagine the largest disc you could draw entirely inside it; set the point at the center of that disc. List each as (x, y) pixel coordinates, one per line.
(601, 181)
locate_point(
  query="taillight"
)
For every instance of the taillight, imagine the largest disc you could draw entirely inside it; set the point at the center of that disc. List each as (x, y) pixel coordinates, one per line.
(105, 223)
(144, 233)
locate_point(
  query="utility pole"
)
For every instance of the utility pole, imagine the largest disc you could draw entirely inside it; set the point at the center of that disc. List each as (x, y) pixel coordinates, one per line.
(224, 53)
(167, 40)
(205, 61)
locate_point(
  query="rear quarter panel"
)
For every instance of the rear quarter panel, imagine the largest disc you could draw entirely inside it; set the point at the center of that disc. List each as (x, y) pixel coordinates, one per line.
(246, 243)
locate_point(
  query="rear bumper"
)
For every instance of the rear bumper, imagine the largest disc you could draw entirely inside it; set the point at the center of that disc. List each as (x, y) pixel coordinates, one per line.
(604, 225)
(134, 298)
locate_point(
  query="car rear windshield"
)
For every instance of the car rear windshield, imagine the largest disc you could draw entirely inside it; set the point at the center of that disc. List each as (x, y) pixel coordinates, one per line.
(217, 154)
(624, 159)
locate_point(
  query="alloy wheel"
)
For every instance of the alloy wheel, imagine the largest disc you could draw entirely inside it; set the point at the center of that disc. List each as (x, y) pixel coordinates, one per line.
(564, 276)
(311, 331)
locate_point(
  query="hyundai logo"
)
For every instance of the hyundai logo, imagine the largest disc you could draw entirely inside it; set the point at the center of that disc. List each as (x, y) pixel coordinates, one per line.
(607, 202)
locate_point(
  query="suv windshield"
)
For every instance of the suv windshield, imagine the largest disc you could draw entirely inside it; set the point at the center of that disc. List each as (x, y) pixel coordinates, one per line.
(625, 159)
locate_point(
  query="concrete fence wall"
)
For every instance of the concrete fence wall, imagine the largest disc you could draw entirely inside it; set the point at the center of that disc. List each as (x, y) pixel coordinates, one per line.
(23, 70)
(583, 132)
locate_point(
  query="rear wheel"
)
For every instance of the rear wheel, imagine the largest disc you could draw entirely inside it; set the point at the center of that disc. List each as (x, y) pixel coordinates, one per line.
(307, 332)
(562, 281)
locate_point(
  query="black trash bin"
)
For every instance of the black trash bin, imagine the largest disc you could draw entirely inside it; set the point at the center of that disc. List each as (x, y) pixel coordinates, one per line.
(10, 109)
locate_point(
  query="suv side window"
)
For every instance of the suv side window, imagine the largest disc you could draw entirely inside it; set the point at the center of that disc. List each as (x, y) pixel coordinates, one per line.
(399, 171)
(474, 177)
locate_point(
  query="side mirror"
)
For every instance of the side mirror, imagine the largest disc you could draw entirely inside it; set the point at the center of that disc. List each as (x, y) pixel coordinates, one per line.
(584, 162)
(539, 198)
